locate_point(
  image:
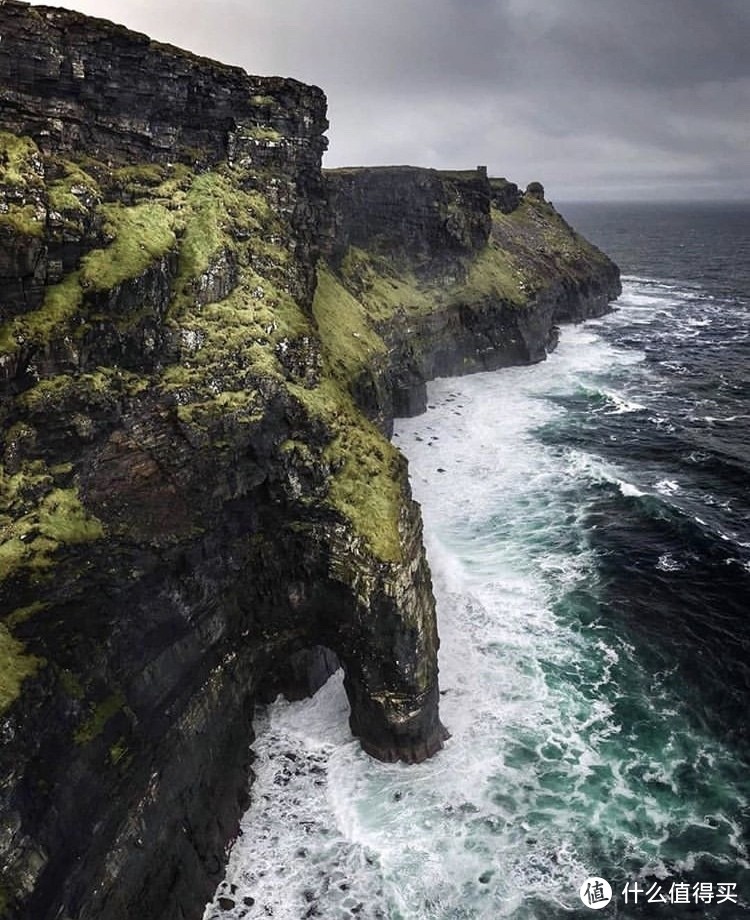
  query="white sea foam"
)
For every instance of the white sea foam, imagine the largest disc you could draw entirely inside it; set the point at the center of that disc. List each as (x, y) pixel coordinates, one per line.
(728, 418)
(622, 404)
(629, 490)
(667, 563)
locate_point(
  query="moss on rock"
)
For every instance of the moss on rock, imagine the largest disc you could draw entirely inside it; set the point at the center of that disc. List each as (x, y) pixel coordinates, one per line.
(365, 484)
(15, 666)
(98, 717)
(39, 520)
(59, 392)
(141, 235)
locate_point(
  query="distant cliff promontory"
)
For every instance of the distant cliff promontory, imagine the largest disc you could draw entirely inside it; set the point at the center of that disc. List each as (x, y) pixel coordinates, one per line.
(203, 342)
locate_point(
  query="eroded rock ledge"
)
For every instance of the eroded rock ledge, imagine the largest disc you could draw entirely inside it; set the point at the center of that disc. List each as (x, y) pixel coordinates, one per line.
(198, 503)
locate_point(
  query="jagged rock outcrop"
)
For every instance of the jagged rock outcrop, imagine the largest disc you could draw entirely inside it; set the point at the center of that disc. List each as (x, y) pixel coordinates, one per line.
(198, 506)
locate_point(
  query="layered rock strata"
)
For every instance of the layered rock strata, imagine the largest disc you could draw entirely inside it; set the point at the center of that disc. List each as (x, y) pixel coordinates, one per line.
(198, 505)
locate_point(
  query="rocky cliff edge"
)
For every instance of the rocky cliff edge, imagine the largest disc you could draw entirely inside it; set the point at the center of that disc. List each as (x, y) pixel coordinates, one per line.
(199, 505)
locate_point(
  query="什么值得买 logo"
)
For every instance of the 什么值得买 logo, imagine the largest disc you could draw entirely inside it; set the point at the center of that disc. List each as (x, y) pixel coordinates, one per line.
(596, 892)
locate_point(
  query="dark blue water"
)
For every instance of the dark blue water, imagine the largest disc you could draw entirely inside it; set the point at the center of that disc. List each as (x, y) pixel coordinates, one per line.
(688, 269)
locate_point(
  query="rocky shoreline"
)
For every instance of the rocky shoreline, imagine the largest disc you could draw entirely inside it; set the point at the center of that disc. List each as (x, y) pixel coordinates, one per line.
(204, 340)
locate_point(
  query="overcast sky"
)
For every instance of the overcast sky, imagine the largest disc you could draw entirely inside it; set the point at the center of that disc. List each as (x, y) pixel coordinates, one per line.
(595, 98)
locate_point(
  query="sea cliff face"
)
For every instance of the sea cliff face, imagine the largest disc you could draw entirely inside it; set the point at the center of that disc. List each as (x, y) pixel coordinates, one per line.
(199, 506)
(454, 273)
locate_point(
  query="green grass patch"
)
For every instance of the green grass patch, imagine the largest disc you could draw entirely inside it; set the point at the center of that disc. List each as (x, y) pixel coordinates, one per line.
(261, 133)
(33, 529)
(366, 485)
(53, 392)
(244, 406)
(349, 341)
(61, 303)
(232, 338)
(206, 225)
(492, 273)
(15, 666)
(24, 219)
(22, 614)
(100, 715)
(22, 487)
(166, 183)
(384, 292)
(17, 156)
(216, 213)
(174, 184)
(21, 173)
(142, 235)
(118, 750)
(148, 174)
(66, 193)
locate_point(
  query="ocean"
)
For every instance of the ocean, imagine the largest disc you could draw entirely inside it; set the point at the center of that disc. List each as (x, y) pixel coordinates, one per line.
(587, 523)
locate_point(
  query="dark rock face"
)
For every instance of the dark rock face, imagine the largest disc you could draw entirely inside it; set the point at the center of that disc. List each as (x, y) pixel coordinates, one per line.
(535, 190)
(198, 508)
(76, 83)
(506, 196)
(191, 508)
(426, 218)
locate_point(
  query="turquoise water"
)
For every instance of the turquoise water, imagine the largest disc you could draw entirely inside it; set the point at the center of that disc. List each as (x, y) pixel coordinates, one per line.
(577, 746)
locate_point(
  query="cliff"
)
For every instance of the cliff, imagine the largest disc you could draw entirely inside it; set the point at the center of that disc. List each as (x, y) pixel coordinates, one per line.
(451, 272)
(198, 503)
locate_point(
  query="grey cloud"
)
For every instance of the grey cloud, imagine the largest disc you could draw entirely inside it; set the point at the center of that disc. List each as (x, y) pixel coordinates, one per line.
(656, 43)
